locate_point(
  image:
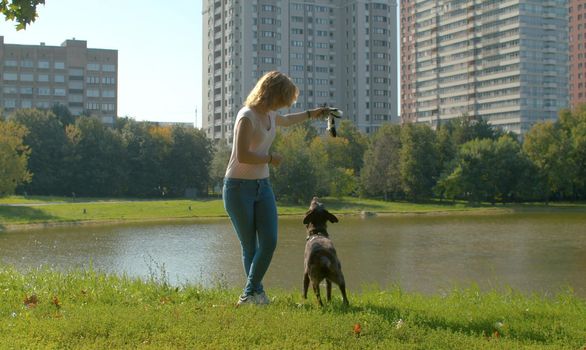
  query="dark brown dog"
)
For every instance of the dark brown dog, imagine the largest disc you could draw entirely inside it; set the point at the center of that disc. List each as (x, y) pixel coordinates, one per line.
(321, 261)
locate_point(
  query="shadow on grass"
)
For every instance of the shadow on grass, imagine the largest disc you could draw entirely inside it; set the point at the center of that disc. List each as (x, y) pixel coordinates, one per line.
(22, 215)
(471, 327)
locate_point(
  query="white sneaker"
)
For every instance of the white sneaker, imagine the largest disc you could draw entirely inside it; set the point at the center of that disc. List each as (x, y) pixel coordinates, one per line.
(246, 300)
(261, 298)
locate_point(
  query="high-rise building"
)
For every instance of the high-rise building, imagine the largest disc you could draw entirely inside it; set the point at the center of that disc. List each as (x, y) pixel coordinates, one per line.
(338, 52)
(505, 61)
(40, 76)
(577, 52)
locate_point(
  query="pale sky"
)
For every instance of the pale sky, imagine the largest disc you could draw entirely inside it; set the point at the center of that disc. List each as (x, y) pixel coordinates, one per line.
(159, 49)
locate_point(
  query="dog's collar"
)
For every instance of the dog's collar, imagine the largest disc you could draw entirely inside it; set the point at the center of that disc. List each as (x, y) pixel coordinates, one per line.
(314, 232)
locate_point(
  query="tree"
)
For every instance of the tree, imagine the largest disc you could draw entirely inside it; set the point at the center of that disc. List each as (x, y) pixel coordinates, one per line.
(96, 159)
(63, 114)
(548, 148)
(418, 161)
(486, 169)
(47, 142)
(24, 12)
(467, 128)
(219, 163)
(146, 154)
(13, 157)
(573, 125)
(294, 180)
(381, 173)
(356, 146)
(333, 167)
(188, 162)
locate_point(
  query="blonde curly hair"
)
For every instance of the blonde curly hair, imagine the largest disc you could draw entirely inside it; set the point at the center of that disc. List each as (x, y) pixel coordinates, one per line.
(273, 89)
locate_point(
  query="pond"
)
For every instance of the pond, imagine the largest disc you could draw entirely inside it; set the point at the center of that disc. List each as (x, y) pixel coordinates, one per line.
(541, 253)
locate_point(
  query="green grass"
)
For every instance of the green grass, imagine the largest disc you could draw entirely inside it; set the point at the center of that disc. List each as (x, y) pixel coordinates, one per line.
(90, 310)
(51, 210)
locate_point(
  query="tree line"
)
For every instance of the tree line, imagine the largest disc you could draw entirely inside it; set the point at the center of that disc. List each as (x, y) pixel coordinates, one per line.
(53, 153)
(81, 156)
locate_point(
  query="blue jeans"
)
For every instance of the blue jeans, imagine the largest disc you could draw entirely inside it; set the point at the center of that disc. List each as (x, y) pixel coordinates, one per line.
(253, 211)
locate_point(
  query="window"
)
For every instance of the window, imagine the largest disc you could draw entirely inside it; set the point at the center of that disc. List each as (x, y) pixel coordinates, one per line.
(92, 93)
(75, 98)
(76, 84)
(92, 80)
(107, 106)
(26, 77)
(43, 91)
(59, 65)
(10, 90)
(9, 76)
(108, 68)
(9, 103)
(43, 78)
(43, 104)
(59, 78)
(26, 64)
(10, 63)
(109, 93)
(93, 106)
(76, 72)
(93, 66)
(59, 92)
(43, 64)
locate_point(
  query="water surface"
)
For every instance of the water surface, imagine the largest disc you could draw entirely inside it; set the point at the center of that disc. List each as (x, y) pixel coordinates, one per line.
(542, 253)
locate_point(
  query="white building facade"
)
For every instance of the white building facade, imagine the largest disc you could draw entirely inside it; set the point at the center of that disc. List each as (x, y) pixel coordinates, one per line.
(506, 61)
(338, 52)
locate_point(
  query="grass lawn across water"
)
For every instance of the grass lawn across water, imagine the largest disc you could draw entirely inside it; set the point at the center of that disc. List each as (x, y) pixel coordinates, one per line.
(17, 212)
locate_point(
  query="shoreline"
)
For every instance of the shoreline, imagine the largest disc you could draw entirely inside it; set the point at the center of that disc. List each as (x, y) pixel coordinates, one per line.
(484, 211)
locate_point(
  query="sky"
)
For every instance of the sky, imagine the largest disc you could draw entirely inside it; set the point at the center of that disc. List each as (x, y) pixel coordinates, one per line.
(158, 42)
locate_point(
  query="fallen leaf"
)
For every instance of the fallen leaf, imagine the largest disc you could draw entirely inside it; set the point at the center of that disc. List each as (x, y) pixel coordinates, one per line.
(56, 302)
(31, 301)
(357, 329)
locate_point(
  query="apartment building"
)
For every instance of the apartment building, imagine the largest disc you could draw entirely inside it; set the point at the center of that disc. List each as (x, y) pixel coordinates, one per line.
(39, 76)
(577, 52)
(341, 53)
(503, 60)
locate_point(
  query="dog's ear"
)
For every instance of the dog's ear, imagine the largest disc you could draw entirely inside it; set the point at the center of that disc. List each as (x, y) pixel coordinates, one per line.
(331, 217)
(308, 217)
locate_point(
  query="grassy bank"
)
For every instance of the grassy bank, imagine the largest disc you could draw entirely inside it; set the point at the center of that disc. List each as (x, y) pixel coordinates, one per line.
(89, 310)
(17, 212)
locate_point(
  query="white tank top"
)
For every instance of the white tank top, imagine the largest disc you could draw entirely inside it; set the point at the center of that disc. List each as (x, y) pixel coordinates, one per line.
(260, 143)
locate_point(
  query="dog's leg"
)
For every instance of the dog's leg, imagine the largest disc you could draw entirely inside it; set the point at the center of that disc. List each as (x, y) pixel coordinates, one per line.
(317, 292)
(305, 285)
(343, 290)
(328, 290)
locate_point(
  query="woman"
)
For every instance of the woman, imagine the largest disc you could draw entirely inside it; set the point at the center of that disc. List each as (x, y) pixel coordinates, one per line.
(248, 195)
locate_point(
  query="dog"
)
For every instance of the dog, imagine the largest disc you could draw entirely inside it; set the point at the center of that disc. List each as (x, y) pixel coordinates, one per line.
(320, 260)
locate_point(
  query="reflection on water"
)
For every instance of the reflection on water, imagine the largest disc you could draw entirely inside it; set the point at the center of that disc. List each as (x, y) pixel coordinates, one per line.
(529, 252)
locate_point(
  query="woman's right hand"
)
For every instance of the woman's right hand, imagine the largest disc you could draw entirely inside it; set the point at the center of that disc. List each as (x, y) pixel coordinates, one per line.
(276, 159)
